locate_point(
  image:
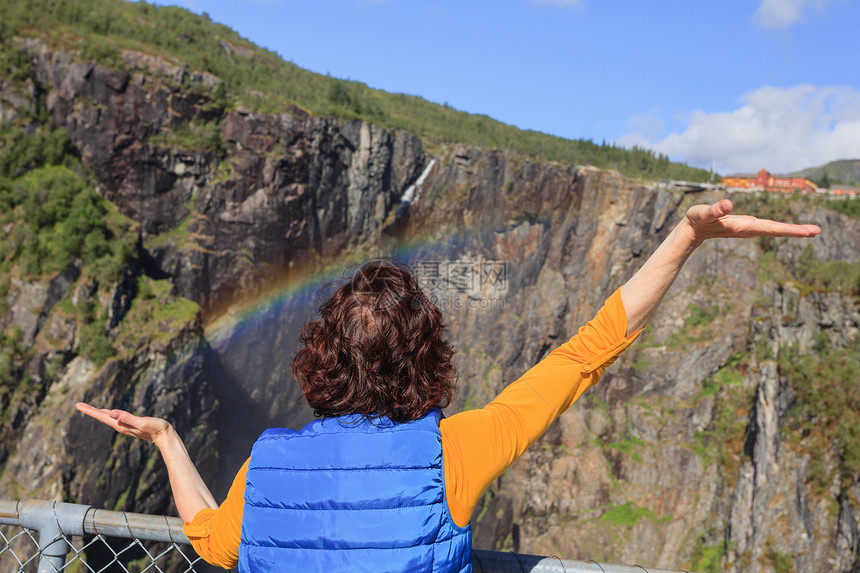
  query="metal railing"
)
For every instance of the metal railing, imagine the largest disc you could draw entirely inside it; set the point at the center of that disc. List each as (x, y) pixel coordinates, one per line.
(158, 544)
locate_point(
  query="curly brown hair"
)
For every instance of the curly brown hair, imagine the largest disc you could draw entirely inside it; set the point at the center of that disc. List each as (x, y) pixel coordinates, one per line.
(377, 348)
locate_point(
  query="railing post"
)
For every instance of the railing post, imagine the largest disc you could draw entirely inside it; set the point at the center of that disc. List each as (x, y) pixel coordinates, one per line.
(53, 520)
(53, 548)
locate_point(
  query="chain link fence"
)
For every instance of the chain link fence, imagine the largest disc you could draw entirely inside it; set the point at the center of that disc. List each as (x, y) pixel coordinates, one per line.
(49, 536)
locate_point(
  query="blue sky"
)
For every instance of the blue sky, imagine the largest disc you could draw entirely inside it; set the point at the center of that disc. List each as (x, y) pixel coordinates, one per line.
(737, 84)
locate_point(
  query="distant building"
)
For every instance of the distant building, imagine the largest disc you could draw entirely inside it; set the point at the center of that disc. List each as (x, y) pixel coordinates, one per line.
(845, 192)
(764, 180)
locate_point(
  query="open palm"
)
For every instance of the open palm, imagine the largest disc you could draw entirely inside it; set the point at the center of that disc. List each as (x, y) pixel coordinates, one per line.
(714, 221)
(143, 427)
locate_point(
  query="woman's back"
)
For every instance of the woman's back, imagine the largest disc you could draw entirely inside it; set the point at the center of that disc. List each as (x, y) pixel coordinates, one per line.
(351, 494)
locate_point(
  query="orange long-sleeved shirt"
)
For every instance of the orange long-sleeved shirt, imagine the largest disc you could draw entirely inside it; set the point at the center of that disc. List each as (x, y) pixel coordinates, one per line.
(477, 445)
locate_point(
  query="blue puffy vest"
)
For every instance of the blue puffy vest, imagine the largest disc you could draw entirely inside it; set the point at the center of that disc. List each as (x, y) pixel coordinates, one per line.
(351, 494)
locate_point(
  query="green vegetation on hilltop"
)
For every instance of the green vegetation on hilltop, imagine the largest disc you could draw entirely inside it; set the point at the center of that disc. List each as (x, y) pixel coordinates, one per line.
(834, 174)
(99, 29)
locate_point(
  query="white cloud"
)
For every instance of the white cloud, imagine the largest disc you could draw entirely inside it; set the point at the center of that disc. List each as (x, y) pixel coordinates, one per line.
(778, 14)
(779, 129)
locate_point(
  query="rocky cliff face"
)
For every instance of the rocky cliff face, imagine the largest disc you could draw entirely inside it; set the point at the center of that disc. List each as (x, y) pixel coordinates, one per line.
(683, 455)
(682, 452)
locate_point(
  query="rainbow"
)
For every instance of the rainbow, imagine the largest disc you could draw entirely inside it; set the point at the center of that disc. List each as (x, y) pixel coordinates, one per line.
(299, 290)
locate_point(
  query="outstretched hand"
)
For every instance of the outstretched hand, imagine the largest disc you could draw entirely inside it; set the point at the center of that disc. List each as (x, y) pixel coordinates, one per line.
(189, 491)
(150, 429)
(713, 221)
(643, 292)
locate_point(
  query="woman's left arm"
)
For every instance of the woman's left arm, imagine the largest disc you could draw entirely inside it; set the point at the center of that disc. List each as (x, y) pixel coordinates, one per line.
(189, 491)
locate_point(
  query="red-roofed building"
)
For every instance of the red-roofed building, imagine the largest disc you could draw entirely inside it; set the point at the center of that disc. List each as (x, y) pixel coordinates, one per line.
(764, 180)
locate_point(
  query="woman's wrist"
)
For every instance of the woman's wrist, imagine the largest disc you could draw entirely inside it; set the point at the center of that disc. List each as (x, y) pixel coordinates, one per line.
(686, 234)
(163, 438)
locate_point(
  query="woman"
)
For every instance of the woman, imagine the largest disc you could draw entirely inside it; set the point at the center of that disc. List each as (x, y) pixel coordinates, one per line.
(381, 482)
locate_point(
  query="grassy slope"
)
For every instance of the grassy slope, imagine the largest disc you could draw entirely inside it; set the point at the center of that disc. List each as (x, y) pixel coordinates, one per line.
(843, 172)
(263, 80)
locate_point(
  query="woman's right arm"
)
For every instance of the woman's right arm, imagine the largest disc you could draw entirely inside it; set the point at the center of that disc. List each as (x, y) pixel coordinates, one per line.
(481, 444)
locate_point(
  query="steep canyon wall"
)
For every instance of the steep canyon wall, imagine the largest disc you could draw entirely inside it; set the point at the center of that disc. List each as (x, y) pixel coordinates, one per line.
(684, 454)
